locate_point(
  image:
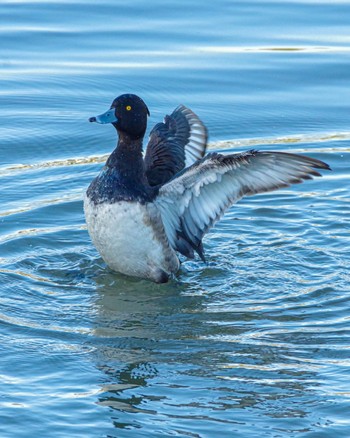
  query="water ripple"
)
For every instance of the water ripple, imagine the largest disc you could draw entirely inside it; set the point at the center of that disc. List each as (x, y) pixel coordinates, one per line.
(255, 339)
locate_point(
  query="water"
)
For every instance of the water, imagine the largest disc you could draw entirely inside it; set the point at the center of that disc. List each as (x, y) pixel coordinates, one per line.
(256, 342)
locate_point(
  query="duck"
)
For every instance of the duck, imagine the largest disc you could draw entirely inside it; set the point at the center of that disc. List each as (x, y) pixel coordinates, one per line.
(146, 210)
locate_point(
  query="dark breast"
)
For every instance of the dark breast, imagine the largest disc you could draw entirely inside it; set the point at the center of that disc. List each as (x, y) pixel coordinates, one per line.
(110, 186)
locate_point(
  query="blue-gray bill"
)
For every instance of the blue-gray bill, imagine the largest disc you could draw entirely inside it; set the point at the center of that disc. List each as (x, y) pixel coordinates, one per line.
(107, 117)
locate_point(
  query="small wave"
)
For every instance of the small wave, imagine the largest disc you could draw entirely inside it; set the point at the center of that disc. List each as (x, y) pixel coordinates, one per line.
(75, 161)
(293, 139)
(305, 49)
(224, 144)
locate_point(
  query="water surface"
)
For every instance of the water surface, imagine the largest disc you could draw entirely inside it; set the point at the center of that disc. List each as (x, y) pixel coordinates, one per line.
(256, 342)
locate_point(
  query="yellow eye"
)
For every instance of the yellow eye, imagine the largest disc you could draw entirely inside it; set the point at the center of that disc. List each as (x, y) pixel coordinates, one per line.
(128, 108)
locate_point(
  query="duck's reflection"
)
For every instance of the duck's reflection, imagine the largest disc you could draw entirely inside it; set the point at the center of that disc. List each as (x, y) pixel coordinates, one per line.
(162, 352)
(137, 329)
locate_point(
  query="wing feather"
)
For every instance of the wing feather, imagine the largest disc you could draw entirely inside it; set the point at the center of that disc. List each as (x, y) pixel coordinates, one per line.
(178, 142)
(198, 196)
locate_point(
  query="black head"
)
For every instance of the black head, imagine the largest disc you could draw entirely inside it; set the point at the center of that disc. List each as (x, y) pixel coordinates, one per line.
(128, 114)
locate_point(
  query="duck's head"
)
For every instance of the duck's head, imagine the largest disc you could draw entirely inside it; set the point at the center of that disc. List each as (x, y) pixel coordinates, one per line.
(128, 114)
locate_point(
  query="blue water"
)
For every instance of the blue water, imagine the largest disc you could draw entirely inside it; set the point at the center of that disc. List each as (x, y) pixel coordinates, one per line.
(256, 342)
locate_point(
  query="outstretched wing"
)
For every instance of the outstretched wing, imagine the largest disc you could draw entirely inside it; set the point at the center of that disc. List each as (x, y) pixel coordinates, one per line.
(195, 199)
(178, 142)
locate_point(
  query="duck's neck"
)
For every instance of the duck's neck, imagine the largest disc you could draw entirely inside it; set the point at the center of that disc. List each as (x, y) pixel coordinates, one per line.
(127, 159)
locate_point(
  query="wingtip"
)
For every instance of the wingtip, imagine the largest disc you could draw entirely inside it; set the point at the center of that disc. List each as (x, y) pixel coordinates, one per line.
(200, 252)
(319, 164)
(312, 162)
